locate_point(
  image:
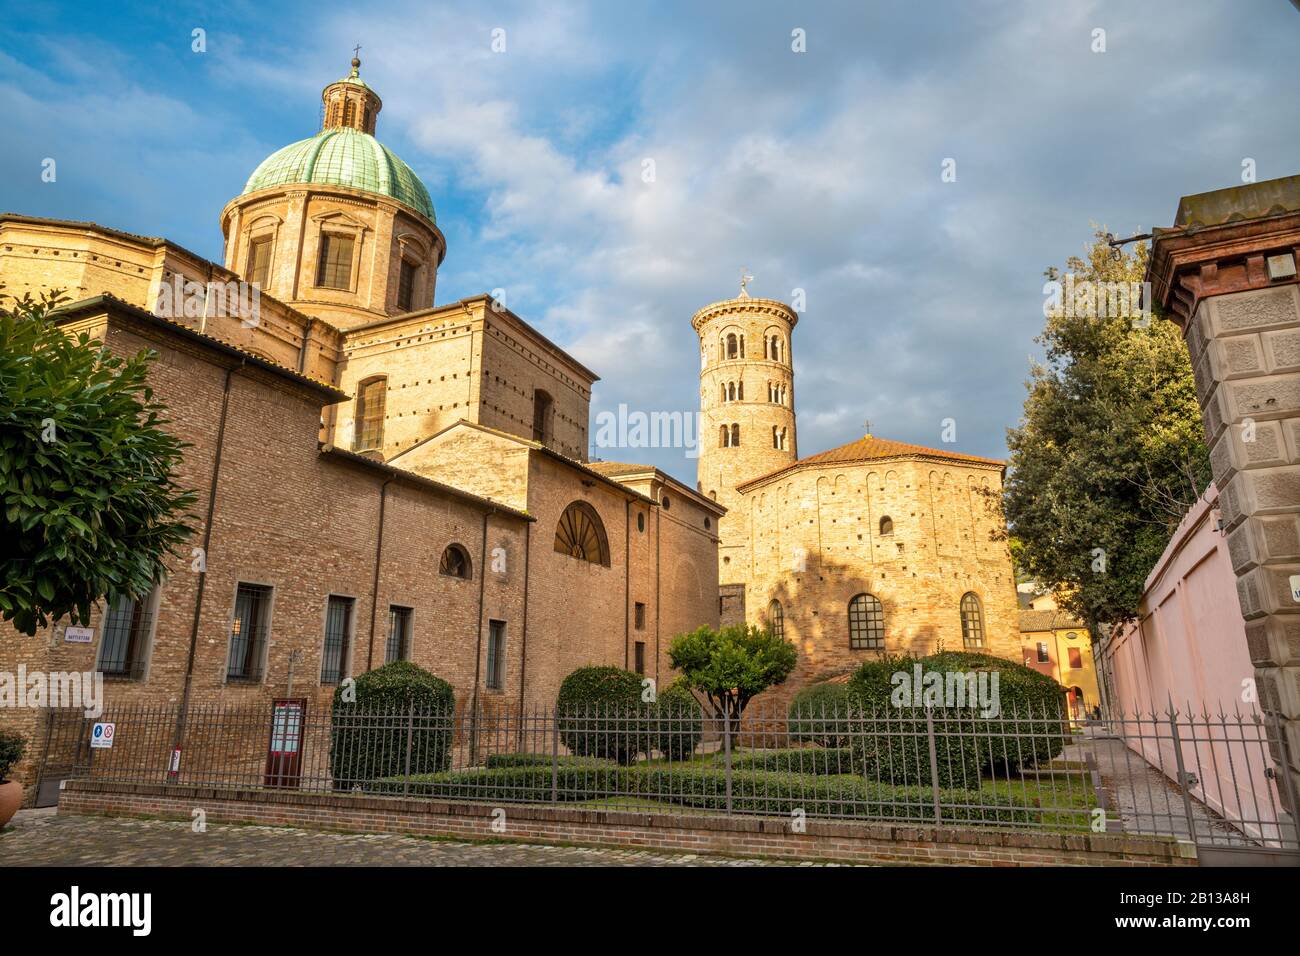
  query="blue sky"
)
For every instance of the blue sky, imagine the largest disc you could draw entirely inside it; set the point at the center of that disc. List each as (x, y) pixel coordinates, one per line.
(816, 170)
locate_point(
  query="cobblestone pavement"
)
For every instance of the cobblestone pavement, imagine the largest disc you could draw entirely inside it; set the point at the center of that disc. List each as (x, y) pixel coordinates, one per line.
(40, 838)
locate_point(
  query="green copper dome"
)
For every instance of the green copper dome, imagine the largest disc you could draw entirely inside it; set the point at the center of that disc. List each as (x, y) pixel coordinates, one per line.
(343, 157)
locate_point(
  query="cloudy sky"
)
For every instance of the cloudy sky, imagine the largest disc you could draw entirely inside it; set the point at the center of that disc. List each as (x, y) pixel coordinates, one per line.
(817, 170)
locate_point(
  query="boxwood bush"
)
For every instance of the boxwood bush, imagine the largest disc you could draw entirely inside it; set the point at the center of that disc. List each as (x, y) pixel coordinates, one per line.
(678, 722)
(601, 714)
(819, 714)
(369, 736)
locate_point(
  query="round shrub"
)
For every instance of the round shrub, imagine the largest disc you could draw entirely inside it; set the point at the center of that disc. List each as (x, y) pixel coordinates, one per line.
(678, 721)
(394, 703)
(601, 713)
(892, 741)
(819, 715)
(12, 746)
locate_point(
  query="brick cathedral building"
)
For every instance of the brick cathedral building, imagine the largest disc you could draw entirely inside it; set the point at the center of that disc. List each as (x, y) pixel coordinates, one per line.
(383, 478)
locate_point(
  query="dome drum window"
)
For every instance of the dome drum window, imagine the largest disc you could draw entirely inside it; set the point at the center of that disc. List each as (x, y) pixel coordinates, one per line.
(866, 623)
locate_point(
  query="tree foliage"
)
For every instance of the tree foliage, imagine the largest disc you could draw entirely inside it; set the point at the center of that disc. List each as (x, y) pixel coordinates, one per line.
(732, 665)
(90, 507)
(1110, 451)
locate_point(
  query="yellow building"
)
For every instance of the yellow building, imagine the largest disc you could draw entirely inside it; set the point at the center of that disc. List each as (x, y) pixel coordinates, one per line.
(1058, 645)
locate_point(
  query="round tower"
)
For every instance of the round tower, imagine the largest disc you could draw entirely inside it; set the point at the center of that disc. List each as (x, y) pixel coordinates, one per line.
(747, 425)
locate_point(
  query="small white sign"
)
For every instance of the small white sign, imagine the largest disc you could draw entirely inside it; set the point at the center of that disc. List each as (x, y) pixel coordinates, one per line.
(101, 736)
(1295, 588)
(78, 635)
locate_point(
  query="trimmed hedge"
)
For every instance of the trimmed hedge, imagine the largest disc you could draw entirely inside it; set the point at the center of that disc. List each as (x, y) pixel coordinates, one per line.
(680, 722)
(810, 760)
(601, 713)
(819, 715)
(369, 737)
(704, 787)
(498, 761)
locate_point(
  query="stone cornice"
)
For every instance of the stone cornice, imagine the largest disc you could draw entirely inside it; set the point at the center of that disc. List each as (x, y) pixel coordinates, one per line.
(746, 306)
(1191, 264)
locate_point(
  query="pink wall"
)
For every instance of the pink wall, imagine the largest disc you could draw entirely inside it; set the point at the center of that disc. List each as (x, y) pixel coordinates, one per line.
(1189, 644)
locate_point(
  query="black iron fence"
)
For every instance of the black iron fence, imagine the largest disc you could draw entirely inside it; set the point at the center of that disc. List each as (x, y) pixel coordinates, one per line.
(1210, 779)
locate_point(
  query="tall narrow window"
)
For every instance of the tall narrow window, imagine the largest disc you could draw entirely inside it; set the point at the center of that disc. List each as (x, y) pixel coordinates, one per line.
(496, 655)
(259, 261)
(866, 623)
(639, 619)
(398, 647)
(640, 657)
(542, 406)
(369, 428)
(732, 347)
(248, 633)
(126, 633)
(405, 286)
(972, 621)
(776, 620)
(724, 437)
(1043, 657)
(735, 436)
(334, 269)
(338, 634)
(1076, 657)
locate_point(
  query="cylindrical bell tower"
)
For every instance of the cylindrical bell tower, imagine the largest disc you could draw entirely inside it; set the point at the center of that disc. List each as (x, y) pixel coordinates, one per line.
(747, 424)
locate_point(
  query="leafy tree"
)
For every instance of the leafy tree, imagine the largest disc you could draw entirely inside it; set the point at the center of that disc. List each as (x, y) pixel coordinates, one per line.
(732, 665)
(1110, 451)
(89, 504)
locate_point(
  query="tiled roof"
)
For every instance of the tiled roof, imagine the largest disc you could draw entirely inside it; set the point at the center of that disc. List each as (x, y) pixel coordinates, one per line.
(612, 468)
(870, 448)
(1048, 621)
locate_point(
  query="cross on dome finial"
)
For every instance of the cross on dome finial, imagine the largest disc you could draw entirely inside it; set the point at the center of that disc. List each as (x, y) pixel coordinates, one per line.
(356, 59)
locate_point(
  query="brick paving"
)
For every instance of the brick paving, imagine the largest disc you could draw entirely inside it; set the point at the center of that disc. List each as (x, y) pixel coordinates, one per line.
(42, 838)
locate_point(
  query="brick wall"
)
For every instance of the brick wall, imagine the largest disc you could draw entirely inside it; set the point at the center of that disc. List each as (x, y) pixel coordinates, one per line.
(735, 836)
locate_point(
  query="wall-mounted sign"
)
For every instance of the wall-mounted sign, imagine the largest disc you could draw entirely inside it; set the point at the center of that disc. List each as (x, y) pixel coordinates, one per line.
(101, 736)
(78, 635)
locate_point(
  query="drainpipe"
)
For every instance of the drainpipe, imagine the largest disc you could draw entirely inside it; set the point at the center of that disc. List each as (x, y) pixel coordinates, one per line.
(627, 576)
(523, 649)
(374, 587)
(207, 541)
(658, 569)
(478, 646)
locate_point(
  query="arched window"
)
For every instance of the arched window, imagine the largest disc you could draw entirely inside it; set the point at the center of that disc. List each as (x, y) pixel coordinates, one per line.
(724, 391)
(724, 437)
(866, 623)
(735, 436)
(776, 620)
(886, 525)
(740, 390)
(972, 621)
(542, 404)
(580, 534)
(455, 562)
(368, 432)
(732, 350)
(731, 392)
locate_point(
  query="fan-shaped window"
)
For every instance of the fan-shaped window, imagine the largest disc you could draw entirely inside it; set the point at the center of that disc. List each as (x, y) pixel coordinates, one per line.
(580, 534)
(886, 525)
(972, 621)
(455, 562)
(866, 623)
(369, 429)
(776, 620)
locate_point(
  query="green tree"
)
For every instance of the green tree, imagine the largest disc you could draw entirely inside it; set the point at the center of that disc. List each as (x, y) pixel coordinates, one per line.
(90, 507)
(732, 665)
(1110, 451)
